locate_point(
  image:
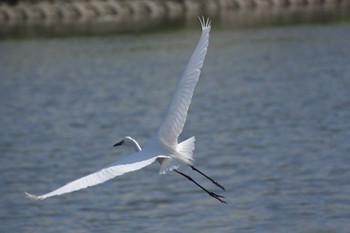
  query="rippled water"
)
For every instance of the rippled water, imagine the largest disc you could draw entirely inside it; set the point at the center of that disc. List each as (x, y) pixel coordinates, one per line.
(271, 115)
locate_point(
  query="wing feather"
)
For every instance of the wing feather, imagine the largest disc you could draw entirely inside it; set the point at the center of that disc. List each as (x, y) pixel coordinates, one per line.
(130, 163)
(176, 114)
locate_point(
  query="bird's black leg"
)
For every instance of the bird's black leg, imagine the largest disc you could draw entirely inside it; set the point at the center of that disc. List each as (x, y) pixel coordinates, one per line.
(212, 194)
(212, 180)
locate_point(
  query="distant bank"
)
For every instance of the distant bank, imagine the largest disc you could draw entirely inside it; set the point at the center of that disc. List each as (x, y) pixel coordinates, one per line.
(21, 18)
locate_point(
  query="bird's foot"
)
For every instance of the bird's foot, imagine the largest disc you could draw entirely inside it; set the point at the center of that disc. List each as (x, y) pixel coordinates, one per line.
(219, 185)
(217, 197)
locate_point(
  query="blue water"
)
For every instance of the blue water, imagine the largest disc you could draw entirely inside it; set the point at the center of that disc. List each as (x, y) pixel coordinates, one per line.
(271, 115)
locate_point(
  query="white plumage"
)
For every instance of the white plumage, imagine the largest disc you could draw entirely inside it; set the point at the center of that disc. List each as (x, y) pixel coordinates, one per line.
(164, 146)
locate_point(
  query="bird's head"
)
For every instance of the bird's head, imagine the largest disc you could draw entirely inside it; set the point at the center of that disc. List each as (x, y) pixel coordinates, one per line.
(129, 142)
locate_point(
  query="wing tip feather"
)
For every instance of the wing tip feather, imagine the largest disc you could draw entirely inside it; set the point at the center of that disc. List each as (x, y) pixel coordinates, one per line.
(32, 196)
(205, 23)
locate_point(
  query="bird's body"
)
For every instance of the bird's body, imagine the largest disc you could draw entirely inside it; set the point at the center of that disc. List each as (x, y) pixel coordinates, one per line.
(164, 146)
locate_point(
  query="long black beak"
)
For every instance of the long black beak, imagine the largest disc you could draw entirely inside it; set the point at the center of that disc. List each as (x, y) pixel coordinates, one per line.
(119, 143)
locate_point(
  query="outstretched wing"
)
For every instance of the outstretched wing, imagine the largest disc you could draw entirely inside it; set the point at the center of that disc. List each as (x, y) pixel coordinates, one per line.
(130, 163)
(175, 117)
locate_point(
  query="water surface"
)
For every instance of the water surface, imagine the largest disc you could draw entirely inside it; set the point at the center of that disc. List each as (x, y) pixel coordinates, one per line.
(270, 113)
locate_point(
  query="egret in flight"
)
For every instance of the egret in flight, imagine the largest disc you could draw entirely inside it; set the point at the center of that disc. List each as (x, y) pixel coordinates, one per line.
(163, 146)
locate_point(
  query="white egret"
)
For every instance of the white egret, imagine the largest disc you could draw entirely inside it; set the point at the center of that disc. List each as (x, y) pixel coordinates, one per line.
(164, 146)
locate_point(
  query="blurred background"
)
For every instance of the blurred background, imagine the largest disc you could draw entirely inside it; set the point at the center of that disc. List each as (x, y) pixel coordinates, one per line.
(48, 18)
(270, 114)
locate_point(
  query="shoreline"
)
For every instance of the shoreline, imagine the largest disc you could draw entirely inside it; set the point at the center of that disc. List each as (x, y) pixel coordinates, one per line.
(93, 17)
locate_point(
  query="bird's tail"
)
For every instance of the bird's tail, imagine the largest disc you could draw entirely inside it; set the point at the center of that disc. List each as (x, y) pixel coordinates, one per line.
(185, 150)
(184, 154)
